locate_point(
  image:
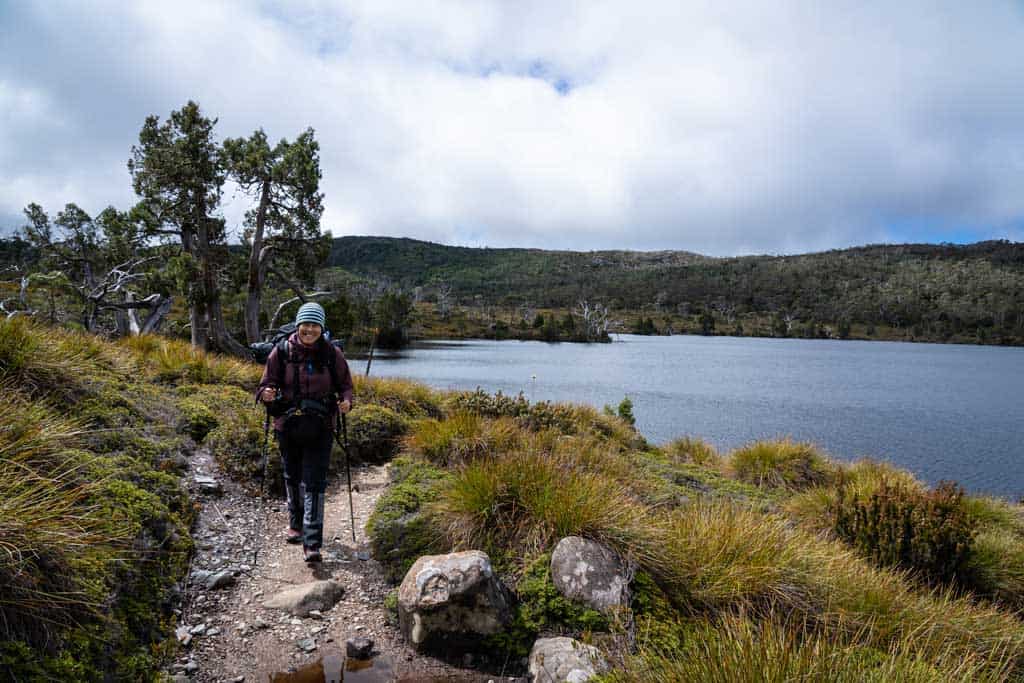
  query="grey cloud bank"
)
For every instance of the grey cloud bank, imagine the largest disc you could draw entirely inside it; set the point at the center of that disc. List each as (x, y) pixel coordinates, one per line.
(745, 128)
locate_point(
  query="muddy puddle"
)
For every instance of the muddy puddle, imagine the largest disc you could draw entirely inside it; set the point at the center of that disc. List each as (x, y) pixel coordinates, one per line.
(335, 668)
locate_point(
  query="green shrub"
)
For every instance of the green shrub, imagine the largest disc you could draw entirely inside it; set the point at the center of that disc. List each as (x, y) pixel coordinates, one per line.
(374, 432)
(540, 608)
(781, 464)
(927, 532)
(197, 418)
(238, 441)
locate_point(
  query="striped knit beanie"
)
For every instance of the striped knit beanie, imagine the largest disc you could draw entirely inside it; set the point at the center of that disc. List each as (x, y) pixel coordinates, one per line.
(311, 312)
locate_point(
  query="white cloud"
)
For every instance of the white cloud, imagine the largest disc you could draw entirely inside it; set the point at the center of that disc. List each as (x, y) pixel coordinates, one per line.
(721, 128)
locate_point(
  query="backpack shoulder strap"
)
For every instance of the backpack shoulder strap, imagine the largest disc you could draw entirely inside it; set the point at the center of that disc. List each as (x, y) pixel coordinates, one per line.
(284, 352)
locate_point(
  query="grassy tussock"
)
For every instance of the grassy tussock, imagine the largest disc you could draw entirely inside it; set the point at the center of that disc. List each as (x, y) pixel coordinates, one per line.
(178, 362)
(783, 464)
(728, 556)
(58, 363)
(408, 398)
(461, 438)
(693, 450)
(524, 501)
(736, 649)
(48, 522)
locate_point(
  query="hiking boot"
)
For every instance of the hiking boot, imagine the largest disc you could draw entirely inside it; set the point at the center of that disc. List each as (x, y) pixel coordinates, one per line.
(312, 554)
(293, 536)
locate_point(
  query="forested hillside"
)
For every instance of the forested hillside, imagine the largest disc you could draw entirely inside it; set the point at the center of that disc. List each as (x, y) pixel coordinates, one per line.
(925, 292)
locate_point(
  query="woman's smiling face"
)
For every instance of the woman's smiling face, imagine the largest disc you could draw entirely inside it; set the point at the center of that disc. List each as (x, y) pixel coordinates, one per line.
(309, 333)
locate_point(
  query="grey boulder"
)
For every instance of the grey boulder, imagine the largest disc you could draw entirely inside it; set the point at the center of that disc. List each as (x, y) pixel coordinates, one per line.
(557, 660)
(303, 599)
(451, 601)
(590, 573)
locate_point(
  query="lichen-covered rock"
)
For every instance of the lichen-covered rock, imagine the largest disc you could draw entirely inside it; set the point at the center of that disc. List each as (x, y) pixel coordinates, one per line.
(301, 600)
(557, 660)
(587, 571)
(452, 601)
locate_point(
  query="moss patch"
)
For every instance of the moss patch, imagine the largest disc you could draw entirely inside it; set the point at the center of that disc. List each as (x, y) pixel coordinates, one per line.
(400, 529)
(541, 609)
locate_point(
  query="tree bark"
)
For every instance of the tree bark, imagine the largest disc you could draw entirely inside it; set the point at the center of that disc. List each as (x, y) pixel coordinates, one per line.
(256, 269)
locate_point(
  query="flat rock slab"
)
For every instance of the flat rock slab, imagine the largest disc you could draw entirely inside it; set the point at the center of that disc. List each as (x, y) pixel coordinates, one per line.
(301, 600)
(586, 571)
(557, 660)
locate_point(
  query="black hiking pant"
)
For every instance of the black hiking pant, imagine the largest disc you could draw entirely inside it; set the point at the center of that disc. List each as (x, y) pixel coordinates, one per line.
(305, 466)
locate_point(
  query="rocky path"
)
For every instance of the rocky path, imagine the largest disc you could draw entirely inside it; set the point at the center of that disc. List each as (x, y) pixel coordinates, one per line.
(227, 632)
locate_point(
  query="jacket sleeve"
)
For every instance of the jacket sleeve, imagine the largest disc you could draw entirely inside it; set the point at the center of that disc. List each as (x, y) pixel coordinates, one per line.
(271, 372)
(342, 375)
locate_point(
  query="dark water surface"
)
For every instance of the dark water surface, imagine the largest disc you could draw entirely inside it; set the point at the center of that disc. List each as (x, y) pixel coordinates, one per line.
(942, 411)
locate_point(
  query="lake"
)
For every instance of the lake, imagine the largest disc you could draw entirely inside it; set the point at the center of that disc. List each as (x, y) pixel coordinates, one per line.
(941, 411)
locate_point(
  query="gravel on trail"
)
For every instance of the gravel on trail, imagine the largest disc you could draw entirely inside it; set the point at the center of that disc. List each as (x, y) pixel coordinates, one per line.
(225, 631)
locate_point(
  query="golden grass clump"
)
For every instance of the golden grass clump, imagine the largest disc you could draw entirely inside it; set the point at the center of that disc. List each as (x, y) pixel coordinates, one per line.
(783, 464)
(725, 556)
(697, 451)
(47, 523)
(412, 399)
(736, 648)
(460, 438)
(178, 362)
(54, 361)
(526, 500)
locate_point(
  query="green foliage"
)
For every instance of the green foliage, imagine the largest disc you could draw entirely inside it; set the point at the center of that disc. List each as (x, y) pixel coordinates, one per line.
(374, 432)
(392, 315)
(540, 608)
(874, 291)
(400, 529)
(927, 532)
(781, 464)
(565, 418)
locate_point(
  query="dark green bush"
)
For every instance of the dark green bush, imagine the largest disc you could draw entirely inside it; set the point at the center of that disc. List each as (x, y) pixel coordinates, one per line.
(374, 432)
(929, 532)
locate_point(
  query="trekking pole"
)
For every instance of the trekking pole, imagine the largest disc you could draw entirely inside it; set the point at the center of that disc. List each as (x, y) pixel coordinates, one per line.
(348, 474)
(263, 489)
(373, 343)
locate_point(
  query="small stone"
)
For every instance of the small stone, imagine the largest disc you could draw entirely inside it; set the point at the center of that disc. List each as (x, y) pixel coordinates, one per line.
(359, 648)
(180, 678)
(191, 667)
(213, 632)
(219, 580)
(296, 622)
(315, 614)
(208, 484)
(197, 630)
(306, 645)
(363, 555)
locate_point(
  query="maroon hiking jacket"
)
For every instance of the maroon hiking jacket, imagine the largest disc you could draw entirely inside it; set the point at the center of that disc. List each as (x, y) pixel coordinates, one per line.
(314, 380)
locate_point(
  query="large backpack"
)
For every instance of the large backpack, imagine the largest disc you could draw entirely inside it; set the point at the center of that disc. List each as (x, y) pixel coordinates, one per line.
(261, 350)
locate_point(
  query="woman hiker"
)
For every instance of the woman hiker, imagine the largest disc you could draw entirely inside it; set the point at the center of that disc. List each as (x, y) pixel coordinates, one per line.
(305, 384)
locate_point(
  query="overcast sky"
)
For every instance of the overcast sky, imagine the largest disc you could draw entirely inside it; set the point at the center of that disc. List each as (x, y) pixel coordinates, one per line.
(719, 127)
